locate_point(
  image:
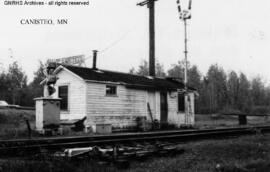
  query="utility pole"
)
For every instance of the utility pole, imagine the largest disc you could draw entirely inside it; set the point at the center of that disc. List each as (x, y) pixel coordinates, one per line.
(151, 6)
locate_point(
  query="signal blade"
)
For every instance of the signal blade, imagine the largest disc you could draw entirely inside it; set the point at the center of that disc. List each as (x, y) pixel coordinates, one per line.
(189, 5)
(179, 6)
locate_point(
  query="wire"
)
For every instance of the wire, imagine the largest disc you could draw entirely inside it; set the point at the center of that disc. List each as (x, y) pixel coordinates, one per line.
(117, 41)
(87, 58)
(112, 44)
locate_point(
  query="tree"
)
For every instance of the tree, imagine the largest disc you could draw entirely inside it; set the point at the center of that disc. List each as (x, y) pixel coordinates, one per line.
(194, 77)
(257, 91)
(267, 96)
(143, 69)
(38, 75)
(132, 71)
(216, 88)
(3, 86)
(17, 81)
(35, 89)
(233, 90)
(244, 99)
(160, 70)
(177, 70)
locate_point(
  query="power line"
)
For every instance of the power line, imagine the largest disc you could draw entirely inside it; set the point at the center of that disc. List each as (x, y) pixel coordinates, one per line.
(117, 41)
(111, 45)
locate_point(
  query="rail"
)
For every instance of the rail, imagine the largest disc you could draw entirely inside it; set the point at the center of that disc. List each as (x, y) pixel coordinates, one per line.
(14, 147)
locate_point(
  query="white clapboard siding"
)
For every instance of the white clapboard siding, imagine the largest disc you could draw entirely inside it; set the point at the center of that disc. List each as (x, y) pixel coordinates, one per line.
(191, 116)
(174, 117)
(89, 99)
(76, 95)
(180, 118)
(119, 110)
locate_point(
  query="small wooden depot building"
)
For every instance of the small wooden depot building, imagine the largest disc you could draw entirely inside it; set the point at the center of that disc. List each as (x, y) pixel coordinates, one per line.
(107, 97)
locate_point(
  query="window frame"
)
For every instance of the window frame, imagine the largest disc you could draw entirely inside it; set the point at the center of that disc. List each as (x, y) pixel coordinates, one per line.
(67, 108)
(183, 103)
(111, 94)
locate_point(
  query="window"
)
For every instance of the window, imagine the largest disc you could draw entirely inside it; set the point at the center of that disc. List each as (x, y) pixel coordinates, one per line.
(111, 90)
(63, 94)
(181, 102)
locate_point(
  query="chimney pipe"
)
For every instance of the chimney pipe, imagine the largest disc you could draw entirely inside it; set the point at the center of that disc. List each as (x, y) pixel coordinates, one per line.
(94, 59)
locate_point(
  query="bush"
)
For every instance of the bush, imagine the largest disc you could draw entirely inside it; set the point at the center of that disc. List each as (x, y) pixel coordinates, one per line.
(230, 110)
(13, 123)
(260, 110)
(14, 116)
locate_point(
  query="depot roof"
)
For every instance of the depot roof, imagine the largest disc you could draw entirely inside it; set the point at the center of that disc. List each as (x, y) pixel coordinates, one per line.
(129, 80)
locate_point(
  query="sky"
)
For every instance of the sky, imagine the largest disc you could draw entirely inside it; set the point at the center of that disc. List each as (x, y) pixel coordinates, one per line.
(233, 34)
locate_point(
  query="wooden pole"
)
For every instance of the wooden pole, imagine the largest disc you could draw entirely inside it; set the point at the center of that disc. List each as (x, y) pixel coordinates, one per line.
(151, 7)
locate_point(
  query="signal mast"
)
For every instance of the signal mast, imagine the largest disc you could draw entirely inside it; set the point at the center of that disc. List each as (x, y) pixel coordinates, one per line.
(185, 15)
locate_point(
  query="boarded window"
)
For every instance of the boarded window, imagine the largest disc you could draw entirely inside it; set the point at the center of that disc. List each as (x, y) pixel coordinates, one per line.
(110, 90)
(63, 94)
(181, 102)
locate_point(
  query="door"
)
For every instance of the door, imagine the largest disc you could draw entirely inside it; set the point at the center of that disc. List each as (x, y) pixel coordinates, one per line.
(163, 107)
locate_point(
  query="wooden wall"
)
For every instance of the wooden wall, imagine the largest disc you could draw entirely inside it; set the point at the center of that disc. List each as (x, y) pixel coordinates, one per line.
(76, 95)
(120, 110)
(90, 99)
(180, 118)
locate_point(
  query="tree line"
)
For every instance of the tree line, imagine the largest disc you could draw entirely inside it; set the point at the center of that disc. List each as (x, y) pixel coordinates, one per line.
(219, 91)
(14, 86)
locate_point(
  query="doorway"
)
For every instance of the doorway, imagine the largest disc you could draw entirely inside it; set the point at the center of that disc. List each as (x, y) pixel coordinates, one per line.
(163, 108)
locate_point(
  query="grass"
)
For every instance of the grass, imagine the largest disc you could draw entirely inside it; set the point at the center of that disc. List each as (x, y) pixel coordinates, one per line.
(55, 165)
(249, 153)
(211, 121)
(244, 154)
(12, 123)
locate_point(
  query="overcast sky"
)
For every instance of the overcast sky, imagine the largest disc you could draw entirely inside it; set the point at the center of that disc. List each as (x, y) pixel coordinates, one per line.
(232, 33)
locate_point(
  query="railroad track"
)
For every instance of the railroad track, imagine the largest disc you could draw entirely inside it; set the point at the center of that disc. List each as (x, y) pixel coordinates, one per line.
(14, 147)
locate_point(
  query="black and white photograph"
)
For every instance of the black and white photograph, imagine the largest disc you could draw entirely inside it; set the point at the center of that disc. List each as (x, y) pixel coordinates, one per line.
(134, 86)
